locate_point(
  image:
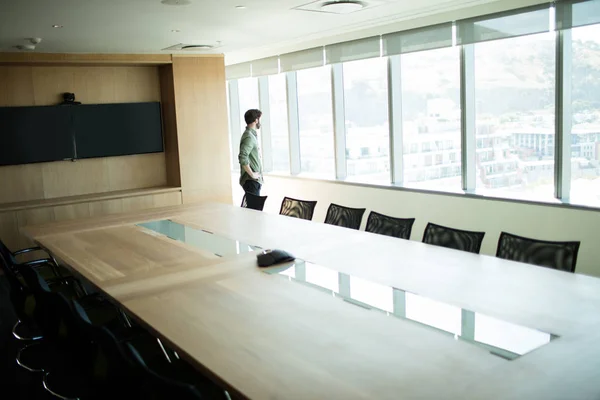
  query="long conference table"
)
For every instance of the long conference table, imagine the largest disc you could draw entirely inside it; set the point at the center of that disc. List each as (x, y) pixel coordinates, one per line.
(356, 316)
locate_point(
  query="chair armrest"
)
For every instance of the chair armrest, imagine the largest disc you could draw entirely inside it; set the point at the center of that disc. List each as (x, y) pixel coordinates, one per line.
(34, 263)
(68, 280)
(28, 250)
(60, 279)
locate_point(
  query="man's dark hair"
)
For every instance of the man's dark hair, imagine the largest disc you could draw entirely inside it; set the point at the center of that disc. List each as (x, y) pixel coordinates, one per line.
(252, 115)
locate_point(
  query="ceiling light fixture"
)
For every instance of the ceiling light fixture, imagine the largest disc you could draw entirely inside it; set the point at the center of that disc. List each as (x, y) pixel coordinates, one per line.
(190, 47)
(240, 7)
(175, 30)
(57, 26)
(342, 6)
(31, 45)
(176, 2)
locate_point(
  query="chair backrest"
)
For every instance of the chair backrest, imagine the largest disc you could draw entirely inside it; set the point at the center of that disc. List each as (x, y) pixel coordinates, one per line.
(7, 255)
(439, 235)
(162, 387)
(18, 290)
(344, 216)
(253, 202)
(116, 366)
(543, 253)
(48, 309)
(389, 226)
(302, 209)
(9, 272)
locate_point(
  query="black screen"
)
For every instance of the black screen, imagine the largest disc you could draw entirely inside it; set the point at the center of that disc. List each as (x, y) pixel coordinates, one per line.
(105, 130)
(35, 134)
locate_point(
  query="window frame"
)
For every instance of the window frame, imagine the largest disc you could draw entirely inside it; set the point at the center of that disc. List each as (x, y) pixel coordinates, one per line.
(467, 154)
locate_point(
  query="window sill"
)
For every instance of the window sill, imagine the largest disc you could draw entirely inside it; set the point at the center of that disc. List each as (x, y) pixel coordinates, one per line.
(549, 202)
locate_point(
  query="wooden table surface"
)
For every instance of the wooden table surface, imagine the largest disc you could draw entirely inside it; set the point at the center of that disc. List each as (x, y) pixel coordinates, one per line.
(265, 337)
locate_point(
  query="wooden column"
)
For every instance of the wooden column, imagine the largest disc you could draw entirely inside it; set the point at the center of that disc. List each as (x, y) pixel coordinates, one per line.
(202, 130)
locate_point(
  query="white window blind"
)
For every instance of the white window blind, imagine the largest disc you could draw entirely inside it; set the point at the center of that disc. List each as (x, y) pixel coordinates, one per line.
(238, 71)
(571, 14)
(353, 50)
(428, 38)
(524, 21)
(265, 66)
(303, 59)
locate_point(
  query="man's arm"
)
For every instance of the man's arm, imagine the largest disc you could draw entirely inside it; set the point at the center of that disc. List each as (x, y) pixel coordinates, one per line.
(245, 149)
(249, 171)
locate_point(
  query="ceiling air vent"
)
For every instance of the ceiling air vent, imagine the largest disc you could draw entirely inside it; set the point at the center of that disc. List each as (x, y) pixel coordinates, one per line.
(190, 47)
(342, 7)
(176, 2)
(339, 6)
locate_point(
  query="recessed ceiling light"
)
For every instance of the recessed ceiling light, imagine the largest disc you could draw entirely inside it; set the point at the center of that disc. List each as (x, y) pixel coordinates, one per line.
(176, 2)
(57, 26)
(342, 6)
(175, 30)
(240, 7)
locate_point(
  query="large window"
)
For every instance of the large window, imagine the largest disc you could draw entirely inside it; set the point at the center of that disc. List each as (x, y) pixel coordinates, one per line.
(315, 116)
(234, 163)
(367, 132)
(279, 123)
(514, 94)
(585, 108)
(504, 65)
(431, 119)
(248, 90)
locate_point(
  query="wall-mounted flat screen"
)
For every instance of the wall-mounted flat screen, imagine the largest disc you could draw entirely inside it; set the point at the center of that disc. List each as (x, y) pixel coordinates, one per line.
(35, 134)
(103, 130)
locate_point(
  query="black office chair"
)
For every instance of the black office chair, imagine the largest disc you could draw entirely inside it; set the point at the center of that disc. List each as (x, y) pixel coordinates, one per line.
(451, 238)
(344, 216)
(176, 380)
(302, 209)
(389, 226)
(253, 202)
(23, 302)
(21, 297)
(50, 316)
(11, 258)
(543, 253)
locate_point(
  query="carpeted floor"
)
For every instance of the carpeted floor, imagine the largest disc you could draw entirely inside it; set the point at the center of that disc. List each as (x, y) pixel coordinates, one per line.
(15, 382)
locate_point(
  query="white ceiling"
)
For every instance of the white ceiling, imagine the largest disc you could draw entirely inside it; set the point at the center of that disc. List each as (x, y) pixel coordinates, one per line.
(265, 27)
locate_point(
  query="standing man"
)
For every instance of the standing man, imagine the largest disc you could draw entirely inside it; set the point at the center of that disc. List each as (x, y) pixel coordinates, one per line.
(251, 169)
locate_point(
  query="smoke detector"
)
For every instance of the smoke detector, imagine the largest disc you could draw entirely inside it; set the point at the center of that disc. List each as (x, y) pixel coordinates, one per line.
(342, 7)
(190, 47)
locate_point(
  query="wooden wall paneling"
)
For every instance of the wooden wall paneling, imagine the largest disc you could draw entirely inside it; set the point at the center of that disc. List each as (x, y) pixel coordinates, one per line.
(70, 178)
(50, 82)
(9, 230)
(138, 203)
(21, 183)
(136, 84)
(167, 95)
(166, 199)
(72, 211)
(202, 128)
(32, 217)
(84, 59)
(106, 207)
(16, 86)
(136, 171)
(94, 85)
(35, 216)
(44, 85)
